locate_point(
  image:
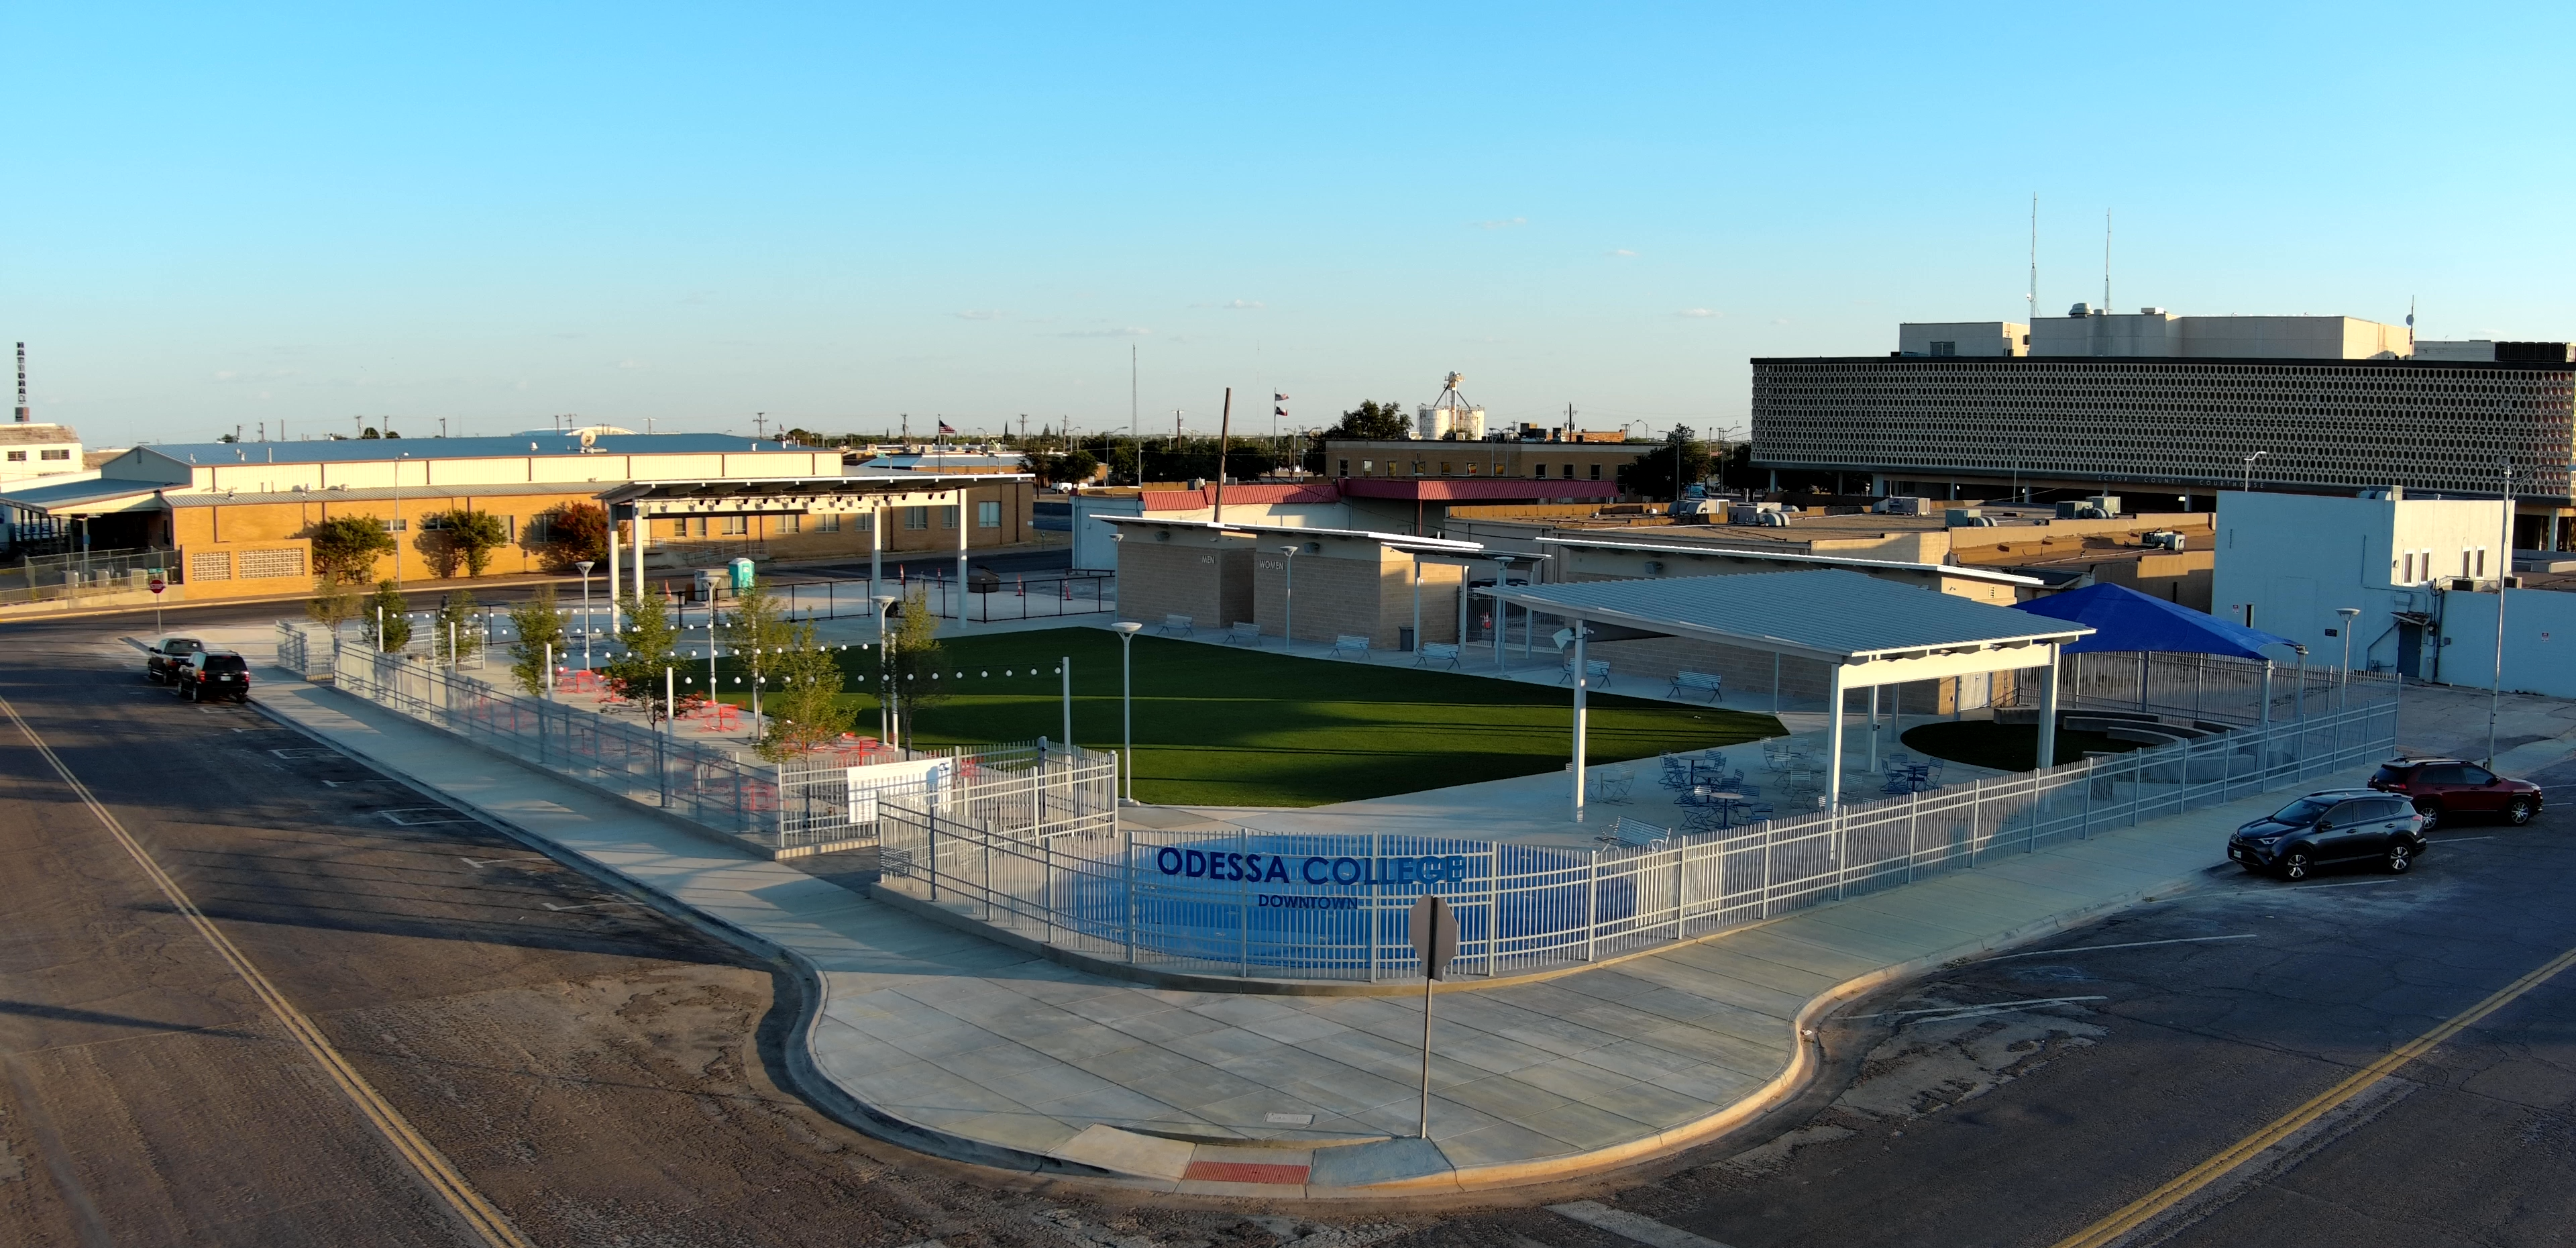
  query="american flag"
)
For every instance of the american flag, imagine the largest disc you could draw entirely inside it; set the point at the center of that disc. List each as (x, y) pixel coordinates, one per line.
(945, 427)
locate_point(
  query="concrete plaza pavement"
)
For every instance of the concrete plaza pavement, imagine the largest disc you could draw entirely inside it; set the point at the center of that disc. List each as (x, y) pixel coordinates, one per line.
(981, 1051)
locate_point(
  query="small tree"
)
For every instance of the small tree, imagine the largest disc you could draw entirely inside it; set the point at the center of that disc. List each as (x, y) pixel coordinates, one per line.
(334, 605)
(806, 712)
(383, 621)
(539, 626)
(1071, 467)
(345, 548)
(637, 673)
(472, 536)
(571, 532)
(1652, 474)
(912, 660)
(456, 628)
(755, 626)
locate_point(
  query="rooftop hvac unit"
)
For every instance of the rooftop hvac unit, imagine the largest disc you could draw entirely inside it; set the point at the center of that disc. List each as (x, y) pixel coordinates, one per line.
(2166, 539)
(1901, 506)
(1967, 518)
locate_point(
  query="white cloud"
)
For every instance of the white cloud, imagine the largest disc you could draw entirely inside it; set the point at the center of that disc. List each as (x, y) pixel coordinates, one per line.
(1623, 253)
(1502, 224)
(1699, 312)
(1124, 331)
(1243, 304)
(972, 315)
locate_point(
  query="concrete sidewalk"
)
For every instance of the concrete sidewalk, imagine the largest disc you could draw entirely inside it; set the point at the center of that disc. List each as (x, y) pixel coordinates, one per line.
(979, 1051)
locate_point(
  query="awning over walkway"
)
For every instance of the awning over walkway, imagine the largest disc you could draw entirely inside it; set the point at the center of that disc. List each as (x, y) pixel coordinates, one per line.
(2124, 619)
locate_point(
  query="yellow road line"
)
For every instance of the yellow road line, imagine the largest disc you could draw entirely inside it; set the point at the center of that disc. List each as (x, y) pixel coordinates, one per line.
(2138, 1212)
(433, 1168)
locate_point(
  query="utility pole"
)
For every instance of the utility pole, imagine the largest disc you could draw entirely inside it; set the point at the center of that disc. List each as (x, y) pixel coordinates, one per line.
(2495, 694)
(759, 424)
(1134, 437)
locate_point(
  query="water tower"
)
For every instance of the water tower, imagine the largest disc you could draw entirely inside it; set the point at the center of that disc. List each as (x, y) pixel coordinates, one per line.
(1450, 418)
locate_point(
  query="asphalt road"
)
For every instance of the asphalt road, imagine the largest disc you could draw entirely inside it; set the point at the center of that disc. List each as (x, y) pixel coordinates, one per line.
(593, 1071)
(2024, 1126)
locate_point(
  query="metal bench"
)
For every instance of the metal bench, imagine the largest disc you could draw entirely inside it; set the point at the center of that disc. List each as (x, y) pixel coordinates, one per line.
(1177, 626)
(1696, 682)
(1635, 835)
(1351, 644)
(1437, 652)
(1596, 673)
(1244, 633)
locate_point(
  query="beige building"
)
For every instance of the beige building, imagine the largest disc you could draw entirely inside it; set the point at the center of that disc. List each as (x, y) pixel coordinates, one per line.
(1343, 582)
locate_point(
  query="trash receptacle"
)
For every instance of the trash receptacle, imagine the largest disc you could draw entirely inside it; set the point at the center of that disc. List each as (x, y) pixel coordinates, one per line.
(742, 574)
(1404, 638)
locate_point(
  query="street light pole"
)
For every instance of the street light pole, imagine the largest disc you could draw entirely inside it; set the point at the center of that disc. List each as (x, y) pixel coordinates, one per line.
(885, 674)
(1127, 630)
(585, 565)
(2343, 688)
(2249, 469)
(1288, 602)
(2495, 693)
(398, 524)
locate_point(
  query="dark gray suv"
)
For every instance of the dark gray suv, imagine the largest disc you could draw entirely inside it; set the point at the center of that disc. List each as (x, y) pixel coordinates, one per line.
(2330, 828)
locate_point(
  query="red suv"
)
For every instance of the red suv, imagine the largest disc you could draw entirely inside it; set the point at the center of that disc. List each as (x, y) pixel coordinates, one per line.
(2444, 787)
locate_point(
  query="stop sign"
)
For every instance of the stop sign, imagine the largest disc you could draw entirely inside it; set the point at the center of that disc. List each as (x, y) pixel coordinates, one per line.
(158, 585)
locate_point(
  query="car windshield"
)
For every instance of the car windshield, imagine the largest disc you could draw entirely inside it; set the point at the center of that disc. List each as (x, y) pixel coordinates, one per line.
(226, 663)
(2303, 812)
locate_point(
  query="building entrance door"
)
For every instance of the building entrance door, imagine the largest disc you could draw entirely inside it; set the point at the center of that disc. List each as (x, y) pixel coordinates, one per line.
(2410, 650)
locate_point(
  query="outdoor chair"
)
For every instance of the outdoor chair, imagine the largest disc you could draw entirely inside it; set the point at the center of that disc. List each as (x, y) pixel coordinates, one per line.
(1244, 633)
(1437, 652)
(1612, 784)
(1676, 772)
(1177, 626)
(1355, 646)
(1696, 682)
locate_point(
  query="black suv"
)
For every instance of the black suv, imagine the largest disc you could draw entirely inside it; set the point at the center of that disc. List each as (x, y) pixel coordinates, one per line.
(214, 674)
(2335, 826)
(162, 662)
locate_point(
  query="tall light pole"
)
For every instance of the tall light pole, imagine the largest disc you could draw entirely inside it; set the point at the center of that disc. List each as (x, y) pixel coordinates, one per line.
(398, 524)
(2249, 469)
(885, 673)
(1288, 602)
(2343, 690)
(2495, 693)
(1127, 630)
(585, 566)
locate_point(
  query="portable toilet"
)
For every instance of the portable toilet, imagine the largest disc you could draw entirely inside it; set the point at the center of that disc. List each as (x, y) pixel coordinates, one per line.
(742, 574)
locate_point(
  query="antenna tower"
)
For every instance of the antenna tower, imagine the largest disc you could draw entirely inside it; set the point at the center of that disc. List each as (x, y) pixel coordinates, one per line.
(22, 383)
(2106, 262)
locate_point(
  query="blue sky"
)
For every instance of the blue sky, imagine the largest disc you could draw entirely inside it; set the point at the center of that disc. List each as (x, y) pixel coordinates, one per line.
(837, 214)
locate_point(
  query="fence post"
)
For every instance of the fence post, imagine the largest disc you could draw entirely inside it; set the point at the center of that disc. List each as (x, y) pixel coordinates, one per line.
(1681, 881)
(1592, 907)
(2038, 802)
(1976, 817)
(1493, 905)
(2086, 833)
(1127, 867)
(1913, 820)
(1371, 897)
(1770, 837)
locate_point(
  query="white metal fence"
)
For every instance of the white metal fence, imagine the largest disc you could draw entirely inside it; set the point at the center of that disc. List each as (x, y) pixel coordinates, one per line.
(1248, 903)
(2210, 687)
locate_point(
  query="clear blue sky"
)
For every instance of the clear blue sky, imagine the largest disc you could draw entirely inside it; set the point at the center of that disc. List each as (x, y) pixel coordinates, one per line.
(689, 213)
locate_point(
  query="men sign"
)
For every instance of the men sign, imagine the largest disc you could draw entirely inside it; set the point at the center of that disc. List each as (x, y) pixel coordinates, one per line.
(1435, 937)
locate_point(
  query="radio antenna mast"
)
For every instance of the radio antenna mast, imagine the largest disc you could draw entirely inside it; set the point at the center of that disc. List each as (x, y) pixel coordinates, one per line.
(2106, 262)
(2033, 296)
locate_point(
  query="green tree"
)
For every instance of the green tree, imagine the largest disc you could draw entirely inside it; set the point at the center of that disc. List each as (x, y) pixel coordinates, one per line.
(458, 633)
(1652, 476)
(637, 672)
(468, 535)
(1074, 466)
(345, 548)
(539, 625)
(1374, 422)
(912, 661)
(385, 608)
(336, 603)
(806, 712)
(567, 533)
(756, 626)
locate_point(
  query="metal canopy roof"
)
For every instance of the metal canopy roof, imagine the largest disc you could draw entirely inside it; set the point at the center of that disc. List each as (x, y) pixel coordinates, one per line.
(1834, 615)
(791, 495)
(1766, 556)
(1406, 542)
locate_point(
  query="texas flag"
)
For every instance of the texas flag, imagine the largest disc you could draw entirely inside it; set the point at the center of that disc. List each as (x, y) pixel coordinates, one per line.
(944, 427)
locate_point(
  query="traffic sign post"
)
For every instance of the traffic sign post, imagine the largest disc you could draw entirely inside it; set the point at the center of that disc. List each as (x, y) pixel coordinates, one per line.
(157, 586)
(1434, 928)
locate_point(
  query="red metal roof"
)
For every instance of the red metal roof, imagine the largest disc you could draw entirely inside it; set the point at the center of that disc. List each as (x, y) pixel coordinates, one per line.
(1197, 500)
(1474, 489)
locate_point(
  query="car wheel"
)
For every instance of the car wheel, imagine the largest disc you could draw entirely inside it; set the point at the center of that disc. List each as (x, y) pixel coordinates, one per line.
(2432, 812)
(2518, 812)
(2295, 865)
(2400, 857)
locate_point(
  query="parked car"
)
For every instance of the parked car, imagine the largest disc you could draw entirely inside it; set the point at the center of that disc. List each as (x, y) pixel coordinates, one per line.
(166, 657)
(2444, 787)
(214, 674)
(2324, 829)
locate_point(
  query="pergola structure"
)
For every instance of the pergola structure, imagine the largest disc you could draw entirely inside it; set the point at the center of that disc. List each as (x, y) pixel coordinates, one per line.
(1867, 632)
(647, 501)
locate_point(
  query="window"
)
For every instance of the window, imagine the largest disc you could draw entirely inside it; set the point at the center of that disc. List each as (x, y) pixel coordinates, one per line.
(1539, 472)
(2386, 808)
(916, 517)
(397, 526)
(1945, 348)
(1596, 472)
(1346, 467)
(17, 457)
(2476, 775)
(541, 529)
(737, 526)
(988, 515)
(948, 517)
(2482, 562)
(829, 522)
(1569, 472)
(53, 454)
(791, 524)
(1367, 466)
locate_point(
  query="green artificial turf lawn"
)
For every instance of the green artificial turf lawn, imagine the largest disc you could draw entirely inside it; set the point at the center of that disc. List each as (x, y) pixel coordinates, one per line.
(1219, 726)
(2004, 747)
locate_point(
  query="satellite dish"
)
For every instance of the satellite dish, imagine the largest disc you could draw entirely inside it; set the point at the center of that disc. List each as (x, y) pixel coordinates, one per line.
(589, 438)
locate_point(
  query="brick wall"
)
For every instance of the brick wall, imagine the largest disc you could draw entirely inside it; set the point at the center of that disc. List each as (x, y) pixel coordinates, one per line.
(1211, 585)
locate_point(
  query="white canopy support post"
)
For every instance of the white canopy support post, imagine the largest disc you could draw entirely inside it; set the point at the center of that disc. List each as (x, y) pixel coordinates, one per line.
(1582, 682)
(1417, 602)
(965, 525)
(1775, 682)
(2048, 713)
(1873, 728)
(1833, 736)
(876, 547)
(612, 574)
(2267, 693)
(641, 524)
